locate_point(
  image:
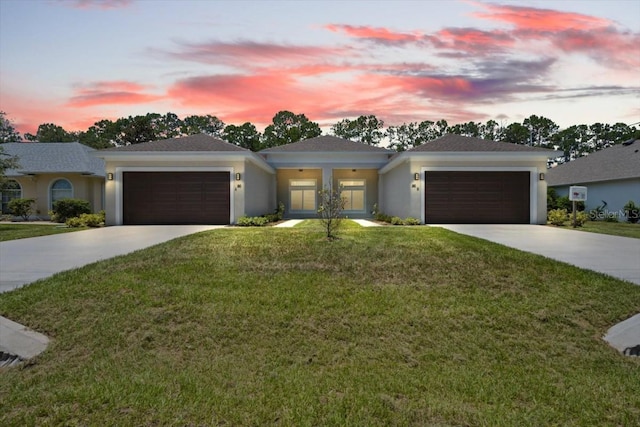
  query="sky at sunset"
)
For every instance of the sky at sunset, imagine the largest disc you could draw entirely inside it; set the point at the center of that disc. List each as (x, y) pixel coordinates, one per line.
(74, 62)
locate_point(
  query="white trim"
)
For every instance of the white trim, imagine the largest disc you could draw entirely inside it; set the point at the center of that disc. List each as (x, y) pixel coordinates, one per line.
(533, 183)
(53, 181)
(119, 185)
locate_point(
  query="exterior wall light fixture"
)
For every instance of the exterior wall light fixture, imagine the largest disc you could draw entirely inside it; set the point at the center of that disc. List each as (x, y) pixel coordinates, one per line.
(110, 176)
(541, 176)
(416, 176)
(238, 176)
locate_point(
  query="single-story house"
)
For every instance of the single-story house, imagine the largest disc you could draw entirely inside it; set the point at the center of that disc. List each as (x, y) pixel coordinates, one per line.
(51, 171)
(612, 177)
(201, 179)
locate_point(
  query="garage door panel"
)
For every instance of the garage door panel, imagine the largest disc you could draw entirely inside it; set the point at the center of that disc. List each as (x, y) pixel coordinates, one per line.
(176, 197)
(476, 197)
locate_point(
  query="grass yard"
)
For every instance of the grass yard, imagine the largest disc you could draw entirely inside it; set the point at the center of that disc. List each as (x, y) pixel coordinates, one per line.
(23, 231)
(624, 229)
(272, 326)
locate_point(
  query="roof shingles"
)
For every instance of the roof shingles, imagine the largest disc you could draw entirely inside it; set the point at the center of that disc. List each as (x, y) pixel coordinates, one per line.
(53, 157)
(617, 162)
(199, 142)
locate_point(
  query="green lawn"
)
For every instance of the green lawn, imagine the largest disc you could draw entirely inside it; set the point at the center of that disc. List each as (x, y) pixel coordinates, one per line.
(624, 229)
(23, 231)
(272, 326)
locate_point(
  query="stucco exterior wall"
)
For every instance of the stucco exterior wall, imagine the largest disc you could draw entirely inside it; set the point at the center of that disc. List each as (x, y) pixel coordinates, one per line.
(397, 193)
(259, 191)
(38, 187)
(404, 196)
(113, 189)
(282, 182)
(616, 193)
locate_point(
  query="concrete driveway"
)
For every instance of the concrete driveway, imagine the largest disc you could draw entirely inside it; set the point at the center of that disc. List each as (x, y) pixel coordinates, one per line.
(616, 256)
(26, 260)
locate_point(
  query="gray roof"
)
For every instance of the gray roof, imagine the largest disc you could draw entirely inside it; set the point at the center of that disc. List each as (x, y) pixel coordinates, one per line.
(53, 157)
(616, 162)
(325, 143)
(451, 142)
(199, 142)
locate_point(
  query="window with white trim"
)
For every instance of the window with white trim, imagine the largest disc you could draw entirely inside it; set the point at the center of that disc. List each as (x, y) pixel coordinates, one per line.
(9, 190)
(60, 189)
(353, 191)
(302, 195)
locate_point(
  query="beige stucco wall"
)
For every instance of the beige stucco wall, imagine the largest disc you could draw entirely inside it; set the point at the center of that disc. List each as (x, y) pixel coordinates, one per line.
(282, 182)
(371, 187)
(88, 188)
(252, 178)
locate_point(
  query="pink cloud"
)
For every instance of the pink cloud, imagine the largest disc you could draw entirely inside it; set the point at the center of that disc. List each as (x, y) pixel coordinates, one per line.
(250, 54)
(540, 19)
(97, 4)
(114, 92)
(382, 35)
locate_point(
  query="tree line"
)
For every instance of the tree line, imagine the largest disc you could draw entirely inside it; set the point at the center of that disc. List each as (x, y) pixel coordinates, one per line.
(287, 127)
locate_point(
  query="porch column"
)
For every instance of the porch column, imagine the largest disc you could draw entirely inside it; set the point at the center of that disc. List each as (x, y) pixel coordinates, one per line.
(327, 177)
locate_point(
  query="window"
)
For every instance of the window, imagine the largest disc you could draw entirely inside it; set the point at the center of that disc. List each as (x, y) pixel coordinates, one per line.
(10, 190)
(60, 189)
(353, 191)
(302, 194)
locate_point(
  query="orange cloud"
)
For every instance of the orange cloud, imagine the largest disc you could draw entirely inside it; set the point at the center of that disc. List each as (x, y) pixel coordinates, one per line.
(540, 19)
(375, 34)
(114, 92)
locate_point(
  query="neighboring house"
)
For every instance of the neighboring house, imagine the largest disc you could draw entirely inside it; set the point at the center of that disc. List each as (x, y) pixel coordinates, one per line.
(52, 171)
(612, 177)
(201, 179)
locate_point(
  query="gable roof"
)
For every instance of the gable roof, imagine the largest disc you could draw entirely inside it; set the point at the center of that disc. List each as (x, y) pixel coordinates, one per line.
(324, 144)
(53, 157)
(616, 162)
(198, 142)
(452, 142)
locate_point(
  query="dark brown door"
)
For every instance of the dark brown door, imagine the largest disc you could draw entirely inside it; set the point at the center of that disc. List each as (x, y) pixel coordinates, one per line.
(176, 197)
(476, 197)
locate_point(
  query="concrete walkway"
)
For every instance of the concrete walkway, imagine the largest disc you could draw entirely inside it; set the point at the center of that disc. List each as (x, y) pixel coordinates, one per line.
(616, 256)
(26, 260)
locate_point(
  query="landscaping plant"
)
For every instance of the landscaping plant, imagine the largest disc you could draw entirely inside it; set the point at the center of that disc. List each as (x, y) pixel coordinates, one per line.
(330, 210)
(64, 209)
(22, 207)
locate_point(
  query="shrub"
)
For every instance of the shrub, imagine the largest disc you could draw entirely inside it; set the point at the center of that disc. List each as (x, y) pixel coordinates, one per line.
(330, 210)
(411, 221)
(632, 211)
(22, 207)
(581, 218)
(69, 208)
(396, 220)
(252, 221)
(557, 216)
(86, 220)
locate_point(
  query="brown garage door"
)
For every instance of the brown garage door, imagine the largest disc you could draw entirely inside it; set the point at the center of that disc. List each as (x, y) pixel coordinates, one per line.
(476, 197)
(176, 197)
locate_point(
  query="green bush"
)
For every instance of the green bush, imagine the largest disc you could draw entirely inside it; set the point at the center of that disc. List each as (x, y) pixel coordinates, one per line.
(69, 208)
(557, 216)
(581, 218)
(252, 221)
(411, 221)
(21, 207)
(86, 220)
(632, 211)
(396, 220)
